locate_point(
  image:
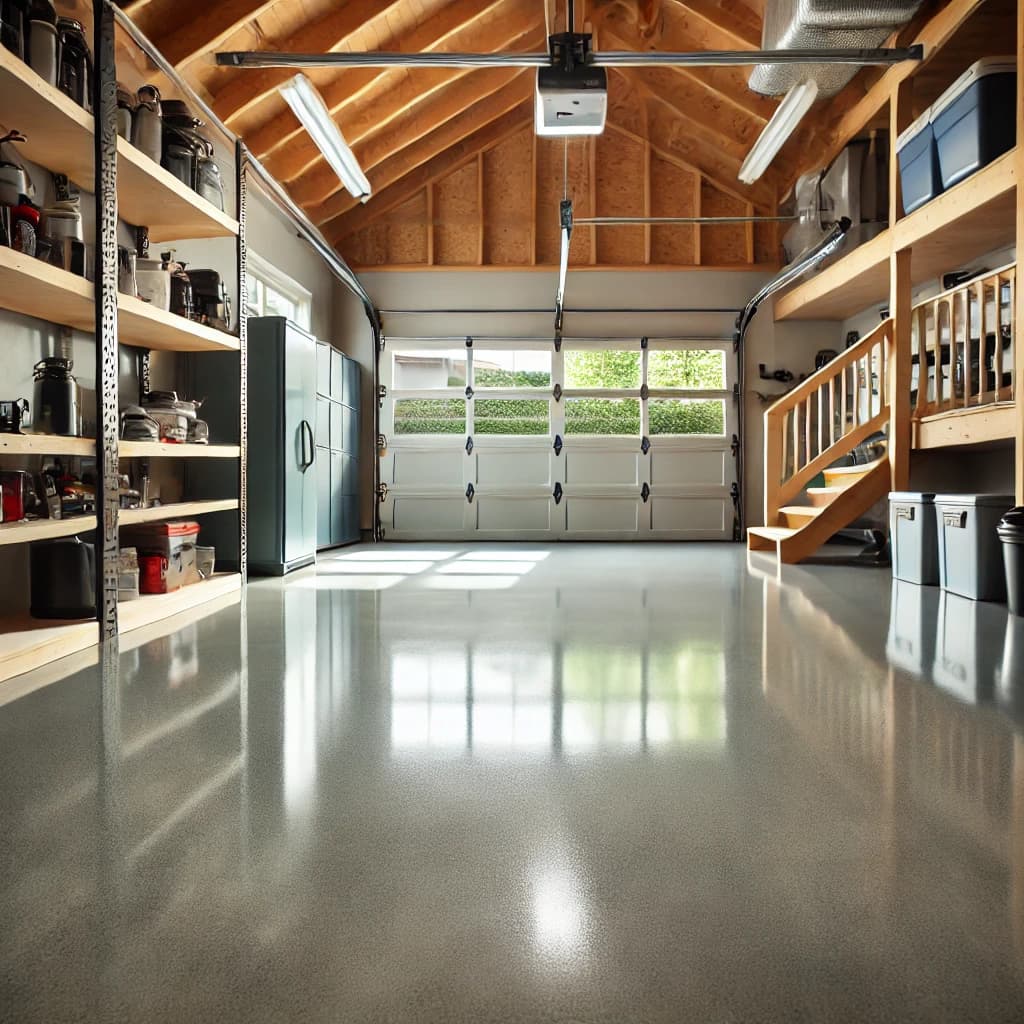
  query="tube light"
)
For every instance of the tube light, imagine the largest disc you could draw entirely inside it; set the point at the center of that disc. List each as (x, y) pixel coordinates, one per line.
(782, 124)
(308, 106)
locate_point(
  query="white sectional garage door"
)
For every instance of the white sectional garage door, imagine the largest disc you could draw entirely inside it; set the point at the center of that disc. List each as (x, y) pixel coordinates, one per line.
(606, 439)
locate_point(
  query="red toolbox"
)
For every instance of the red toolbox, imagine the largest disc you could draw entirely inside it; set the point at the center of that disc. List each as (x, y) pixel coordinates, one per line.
(167, 554)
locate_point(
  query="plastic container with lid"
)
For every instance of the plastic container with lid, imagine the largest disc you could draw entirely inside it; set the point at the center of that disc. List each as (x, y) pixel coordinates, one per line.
(974, 120)
(1011, 534)
(920, 179)
(970, 559)
(915, 545)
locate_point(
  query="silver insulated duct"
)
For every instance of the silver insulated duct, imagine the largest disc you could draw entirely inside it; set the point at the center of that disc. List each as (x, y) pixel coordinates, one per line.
(823, 24)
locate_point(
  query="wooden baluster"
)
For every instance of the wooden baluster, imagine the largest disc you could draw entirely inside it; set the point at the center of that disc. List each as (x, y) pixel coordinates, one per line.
(819, 432)
(855, 394)
(796, 439)
(964, 295)
(941, 307)
(807, 431)
(774, 463)
(921, 315)
(843, 402)
(985, 393)
(832, 410)
(997, 362)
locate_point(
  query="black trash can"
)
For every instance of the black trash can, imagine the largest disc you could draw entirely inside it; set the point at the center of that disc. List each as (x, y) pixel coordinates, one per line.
(1011, 533)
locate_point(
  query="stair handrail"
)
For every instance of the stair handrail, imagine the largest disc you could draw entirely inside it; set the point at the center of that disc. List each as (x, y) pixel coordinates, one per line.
(780, 484)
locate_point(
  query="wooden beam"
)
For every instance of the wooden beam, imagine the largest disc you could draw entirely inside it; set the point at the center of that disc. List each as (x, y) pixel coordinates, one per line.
(480, 207)
(320, 182)
(447, 136)
(376, 97)
(201, 27)
(730, 24)
(352, 221)
(247, 87)
(399, 118)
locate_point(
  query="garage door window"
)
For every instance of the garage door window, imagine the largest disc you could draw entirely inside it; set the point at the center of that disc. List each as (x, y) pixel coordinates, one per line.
(682, 416)
(430, 416)
(515, 416)
(603, 416)
(693, 369)
(508, 369)
(419, 370)
(600, 368)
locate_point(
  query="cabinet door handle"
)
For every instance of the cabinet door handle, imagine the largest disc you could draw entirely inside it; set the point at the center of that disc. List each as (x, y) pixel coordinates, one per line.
(312, 442)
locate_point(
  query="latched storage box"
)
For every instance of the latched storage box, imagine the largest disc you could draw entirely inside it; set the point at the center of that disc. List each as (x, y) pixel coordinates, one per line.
(919, 163)
(974, 120)
(970, 554)
(915, 544)
(167, 554)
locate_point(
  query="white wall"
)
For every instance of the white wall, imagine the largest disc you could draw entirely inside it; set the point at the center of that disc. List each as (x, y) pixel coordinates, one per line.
(791, 346)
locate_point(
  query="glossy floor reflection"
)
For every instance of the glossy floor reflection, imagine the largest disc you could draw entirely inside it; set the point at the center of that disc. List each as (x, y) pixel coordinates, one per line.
(509, 783)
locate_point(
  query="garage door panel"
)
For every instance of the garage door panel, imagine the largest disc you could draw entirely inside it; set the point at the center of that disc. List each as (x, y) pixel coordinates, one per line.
(691, 515)
(602, 515)
(690, 469)
(514, 469)
(514, 515)
(423, 467)
(602, 468)
(425, 515)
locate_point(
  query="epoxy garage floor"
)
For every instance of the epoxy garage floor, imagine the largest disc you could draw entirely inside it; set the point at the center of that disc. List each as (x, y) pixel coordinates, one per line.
(576, 783)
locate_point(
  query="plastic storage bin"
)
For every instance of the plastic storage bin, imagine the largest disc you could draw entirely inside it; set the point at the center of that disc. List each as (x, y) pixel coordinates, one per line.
(919, 163)
(915, 543)
(974, 119)
(1011, 534)
(970, 554)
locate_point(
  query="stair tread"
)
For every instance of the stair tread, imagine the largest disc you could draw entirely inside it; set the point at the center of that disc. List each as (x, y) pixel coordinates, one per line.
(803, 510)
(825, 490)
(771, 532)
(849, 470)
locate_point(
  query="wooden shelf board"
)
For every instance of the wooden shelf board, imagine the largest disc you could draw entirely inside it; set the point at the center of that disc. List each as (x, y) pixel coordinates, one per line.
(149, 194)
(848, 286)
(151, 608)
(27, 643)
(35, 288)
(60, 133)
(971, 219)
(142, 324)
(159, 449)
(46, 444)
(45, 529)
(176, 510)
(980, 425)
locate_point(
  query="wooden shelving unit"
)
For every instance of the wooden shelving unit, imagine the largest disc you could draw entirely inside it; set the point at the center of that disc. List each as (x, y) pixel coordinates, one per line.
(26, 643)
(22, 532)
(982, 425)
(34, 288)
(46, 444)
(143, 325)
(150, 608)
(972, 218)
(163, 450)
(175, 510)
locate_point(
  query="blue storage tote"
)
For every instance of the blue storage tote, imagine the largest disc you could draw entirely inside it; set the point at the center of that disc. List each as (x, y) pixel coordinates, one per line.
(919, 163)
(970, 552)
(914, 538)
(974, 120)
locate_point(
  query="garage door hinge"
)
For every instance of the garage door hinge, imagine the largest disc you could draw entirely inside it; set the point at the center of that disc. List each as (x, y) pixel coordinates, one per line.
(382, 393)
(558, 343)
(736, 393)
(735, 446)
(645, 445)
(470, 491)
(645, 392)
(382, 445)
(558, 444)
(382, 493)
(469, 445)
(645, 492)
(469, 392)
(469, 342)
(557, 493)
(557, 392)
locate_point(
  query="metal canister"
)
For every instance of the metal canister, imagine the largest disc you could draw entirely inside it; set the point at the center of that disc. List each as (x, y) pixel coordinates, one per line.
(57, 407)
(147, 123)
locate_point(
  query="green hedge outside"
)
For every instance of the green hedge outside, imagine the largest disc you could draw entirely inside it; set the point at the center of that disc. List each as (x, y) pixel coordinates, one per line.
(675, 416)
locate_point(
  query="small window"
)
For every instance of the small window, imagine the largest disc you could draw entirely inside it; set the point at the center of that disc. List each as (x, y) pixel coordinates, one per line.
(497, 368)
(430, 416)
(273, 293)
(602, 368)
(427, 370)
(686, 416)
(602, 416)
(516, 416)
(693, 369)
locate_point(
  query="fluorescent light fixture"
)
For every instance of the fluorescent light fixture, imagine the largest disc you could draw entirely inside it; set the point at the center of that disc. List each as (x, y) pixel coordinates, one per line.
(782, 124)
(308, 106)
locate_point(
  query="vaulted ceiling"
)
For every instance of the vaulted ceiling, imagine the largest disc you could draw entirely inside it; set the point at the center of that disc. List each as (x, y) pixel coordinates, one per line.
(457, 174)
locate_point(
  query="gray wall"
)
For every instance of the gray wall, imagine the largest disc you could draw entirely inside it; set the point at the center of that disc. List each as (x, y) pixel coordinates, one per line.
(791, 346)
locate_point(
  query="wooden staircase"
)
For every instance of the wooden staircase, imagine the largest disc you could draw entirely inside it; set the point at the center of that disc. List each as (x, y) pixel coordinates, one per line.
(807, 432)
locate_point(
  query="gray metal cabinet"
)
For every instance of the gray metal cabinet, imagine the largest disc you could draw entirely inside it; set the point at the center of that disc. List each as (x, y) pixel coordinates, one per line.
(338, 447)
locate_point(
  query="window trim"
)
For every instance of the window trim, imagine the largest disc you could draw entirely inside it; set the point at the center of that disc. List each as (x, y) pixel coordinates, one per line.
(272, 277)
